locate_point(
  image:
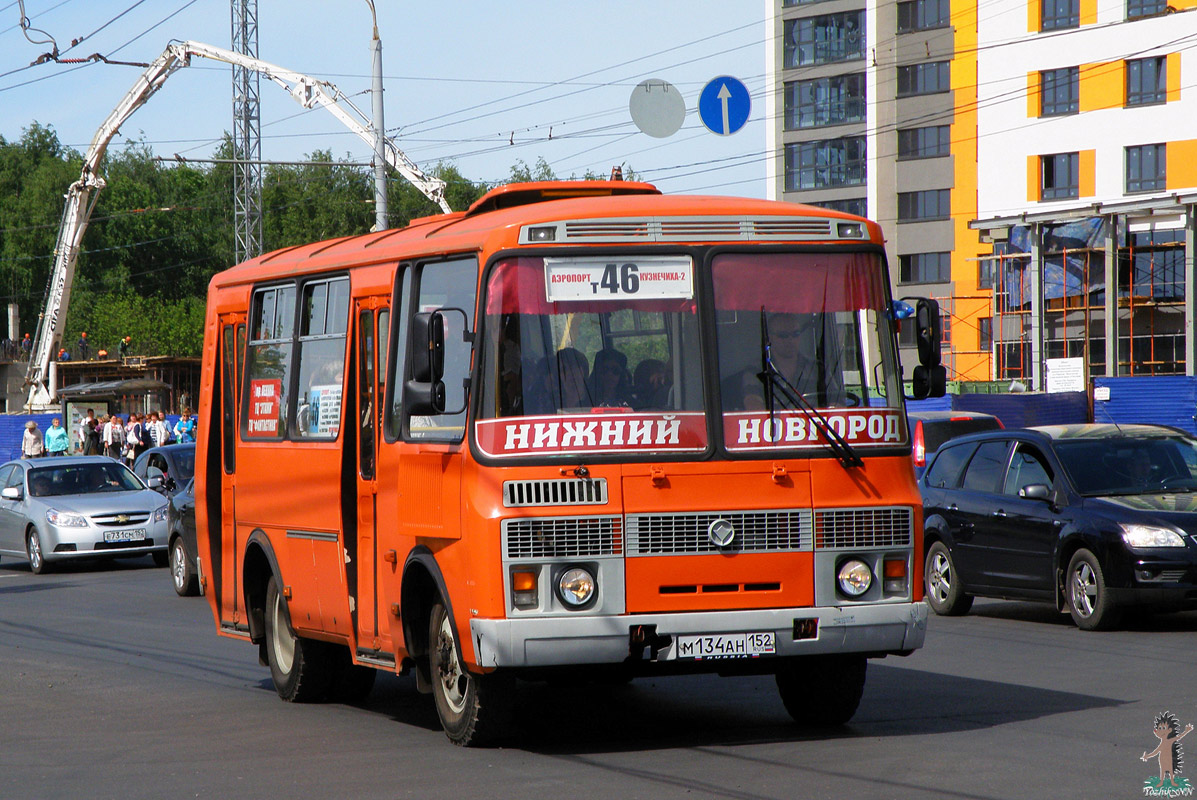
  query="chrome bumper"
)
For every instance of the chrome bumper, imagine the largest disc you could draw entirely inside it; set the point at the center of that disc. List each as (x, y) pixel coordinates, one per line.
(558, 641)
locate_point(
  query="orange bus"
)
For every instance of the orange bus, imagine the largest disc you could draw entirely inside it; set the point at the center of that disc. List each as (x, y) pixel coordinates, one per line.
(582, 429)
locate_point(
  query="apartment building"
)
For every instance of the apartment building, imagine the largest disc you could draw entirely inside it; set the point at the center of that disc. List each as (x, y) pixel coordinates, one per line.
(1022, 156)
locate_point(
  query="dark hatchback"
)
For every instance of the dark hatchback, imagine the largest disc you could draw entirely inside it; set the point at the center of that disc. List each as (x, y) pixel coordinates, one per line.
(1093, 518)
(930, 430)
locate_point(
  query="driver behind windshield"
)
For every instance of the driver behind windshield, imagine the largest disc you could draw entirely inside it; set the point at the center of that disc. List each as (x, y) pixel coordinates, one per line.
(795, 343)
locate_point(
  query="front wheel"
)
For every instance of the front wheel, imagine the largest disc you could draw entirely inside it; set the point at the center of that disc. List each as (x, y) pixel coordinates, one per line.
(181, 573)
(301, 668)
(945, 592)
(33, 549)
(822, 691)
(1085, 590)
(474, 709)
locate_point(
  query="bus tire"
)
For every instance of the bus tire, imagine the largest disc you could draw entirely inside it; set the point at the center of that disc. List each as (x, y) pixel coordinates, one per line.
(822, 691)
(301, 668)
(474, 709)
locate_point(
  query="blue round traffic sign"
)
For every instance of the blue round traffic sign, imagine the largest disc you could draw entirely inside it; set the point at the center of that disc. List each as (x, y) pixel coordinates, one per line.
(723, 105)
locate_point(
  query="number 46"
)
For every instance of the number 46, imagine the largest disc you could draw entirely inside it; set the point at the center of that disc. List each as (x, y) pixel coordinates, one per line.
(628, 279)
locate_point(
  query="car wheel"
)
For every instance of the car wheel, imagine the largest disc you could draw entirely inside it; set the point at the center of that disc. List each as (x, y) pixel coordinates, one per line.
(474, 709)
(181, 574)
(302, 669)
(33, 549)
(945, 592)
(822, 691)
(1085, 590)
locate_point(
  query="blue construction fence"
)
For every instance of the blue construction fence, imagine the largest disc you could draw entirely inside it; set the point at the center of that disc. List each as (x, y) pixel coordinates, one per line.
(12, 428)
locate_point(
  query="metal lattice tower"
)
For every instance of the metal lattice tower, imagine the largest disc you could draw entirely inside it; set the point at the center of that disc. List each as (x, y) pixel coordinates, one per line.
(247, 141)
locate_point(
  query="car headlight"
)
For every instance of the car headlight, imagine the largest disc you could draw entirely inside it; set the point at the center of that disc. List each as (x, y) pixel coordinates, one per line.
(1150, 536)
(576, 587)
(161, 514)
(855, 577)
(66, 519)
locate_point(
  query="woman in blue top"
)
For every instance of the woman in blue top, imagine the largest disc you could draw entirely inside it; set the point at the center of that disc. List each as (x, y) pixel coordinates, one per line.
(57, 439)
(185, 427)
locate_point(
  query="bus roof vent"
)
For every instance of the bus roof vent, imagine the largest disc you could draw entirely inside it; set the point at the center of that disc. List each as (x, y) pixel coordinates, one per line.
(555, 492)
(522, 194)
(679, 229)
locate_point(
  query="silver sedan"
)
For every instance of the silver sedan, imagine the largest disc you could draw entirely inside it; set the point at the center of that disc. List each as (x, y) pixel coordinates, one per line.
(55, 509)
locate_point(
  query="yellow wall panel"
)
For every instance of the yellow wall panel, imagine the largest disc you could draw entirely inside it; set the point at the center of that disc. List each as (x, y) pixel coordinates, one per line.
(1034, 94)
(1173, 94)
(1102, 85)
(1181, 5)
(1034, 15)
(1181, 164)
(1088, 12)
(1033, 179)
(1087, 179)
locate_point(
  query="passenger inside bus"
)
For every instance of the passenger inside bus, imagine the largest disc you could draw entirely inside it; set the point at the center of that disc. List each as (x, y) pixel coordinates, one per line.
(651, 385)
(610, 383)
(573, 379)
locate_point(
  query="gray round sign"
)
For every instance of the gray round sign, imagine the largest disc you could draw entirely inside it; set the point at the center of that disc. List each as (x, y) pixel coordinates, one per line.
(657, 108)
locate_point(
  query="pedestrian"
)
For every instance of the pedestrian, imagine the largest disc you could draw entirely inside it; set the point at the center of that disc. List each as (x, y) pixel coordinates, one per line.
(58, 441)
(91, 446)
(133, 437)
(81, 433)
(114, 438)
(84, 346)
(185, 427)
(159, 433)
(31, 443)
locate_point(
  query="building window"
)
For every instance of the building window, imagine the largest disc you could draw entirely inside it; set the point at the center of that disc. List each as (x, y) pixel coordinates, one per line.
(919, 15)
(945, 321)
(852, 205)
(826, 163)
(924, 142)
(985, 274)
(824, 39)
(925, 268)
(1146, 81)
(927, 78)
(1146, 168)
(825, 101)
(928, 205)
(1136, 9)
(985, 333)
(1060, 14)
(1059, 176)
(1059, 91)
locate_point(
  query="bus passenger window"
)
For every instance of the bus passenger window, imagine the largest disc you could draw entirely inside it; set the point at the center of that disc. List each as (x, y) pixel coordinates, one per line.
(321, 361)
(268, 363)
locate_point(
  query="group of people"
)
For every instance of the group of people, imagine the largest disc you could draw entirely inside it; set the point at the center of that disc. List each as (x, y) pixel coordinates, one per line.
(570, 383)
(109, 435)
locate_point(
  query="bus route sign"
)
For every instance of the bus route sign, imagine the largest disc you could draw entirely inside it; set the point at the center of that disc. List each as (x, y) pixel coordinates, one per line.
(642, 278)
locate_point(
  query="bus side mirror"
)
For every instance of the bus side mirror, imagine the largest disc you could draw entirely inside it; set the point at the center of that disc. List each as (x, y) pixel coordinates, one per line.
(426, 399)
(929, 382)
(928, 332)
(428, 347)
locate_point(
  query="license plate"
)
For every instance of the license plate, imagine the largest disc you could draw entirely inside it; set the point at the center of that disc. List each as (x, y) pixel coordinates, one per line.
(135, 535)
(727, 645)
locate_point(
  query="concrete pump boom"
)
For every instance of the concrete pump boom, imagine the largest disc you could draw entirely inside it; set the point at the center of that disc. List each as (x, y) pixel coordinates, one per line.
(81, 196)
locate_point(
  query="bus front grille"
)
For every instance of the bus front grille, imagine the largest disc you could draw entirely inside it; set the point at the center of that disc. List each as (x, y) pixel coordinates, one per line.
(690, 533)
(562, 537)
(555, 492)
(854, 528)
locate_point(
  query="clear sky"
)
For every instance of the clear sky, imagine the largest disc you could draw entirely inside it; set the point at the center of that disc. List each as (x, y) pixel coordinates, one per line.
(480, 84)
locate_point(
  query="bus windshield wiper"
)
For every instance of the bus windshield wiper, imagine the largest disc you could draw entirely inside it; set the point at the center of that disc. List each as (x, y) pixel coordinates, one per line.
(778, 388)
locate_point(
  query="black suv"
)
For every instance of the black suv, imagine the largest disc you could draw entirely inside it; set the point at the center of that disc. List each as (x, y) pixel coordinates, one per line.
(1089, 517)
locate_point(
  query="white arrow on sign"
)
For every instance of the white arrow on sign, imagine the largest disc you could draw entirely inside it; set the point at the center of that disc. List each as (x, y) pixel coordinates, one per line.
(724, 95)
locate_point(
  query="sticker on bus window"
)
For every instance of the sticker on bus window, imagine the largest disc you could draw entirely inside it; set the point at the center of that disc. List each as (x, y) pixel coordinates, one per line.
(619, 278)
(264, 397)
(756, 430)
(325, 415)
(510, 437)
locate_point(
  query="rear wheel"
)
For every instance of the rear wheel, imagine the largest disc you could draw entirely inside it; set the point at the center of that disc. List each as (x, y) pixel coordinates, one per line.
(945, 592)
(1085, 589)
(474, 709)
(301, 668)
(822, 691)
(181, 573)
(33, 549)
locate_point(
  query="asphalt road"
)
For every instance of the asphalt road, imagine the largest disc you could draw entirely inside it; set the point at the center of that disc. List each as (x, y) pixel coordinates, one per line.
(113, 687)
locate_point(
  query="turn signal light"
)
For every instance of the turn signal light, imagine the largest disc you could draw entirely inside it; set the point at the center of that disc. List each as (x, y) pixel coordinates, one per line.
(523, 589)
(895, 576)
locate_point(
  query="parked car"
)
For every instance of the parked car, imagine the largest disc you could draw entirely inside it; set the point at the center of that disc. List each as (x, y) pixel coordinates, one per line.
(930, 429)
(174, 463)
(58, 509)
(184, 571)
(1093, 518)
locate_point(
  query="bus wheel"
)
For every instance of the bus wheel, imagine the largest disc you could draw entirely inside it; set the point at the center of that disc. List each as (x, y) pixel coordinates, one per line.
(474, 709)
(822, 691)
(301, 668)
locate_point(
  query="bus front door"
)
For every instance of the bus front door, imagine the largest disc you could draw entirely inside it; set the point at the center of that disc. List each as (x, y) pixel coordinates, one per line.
(226, 571)
(372, 318)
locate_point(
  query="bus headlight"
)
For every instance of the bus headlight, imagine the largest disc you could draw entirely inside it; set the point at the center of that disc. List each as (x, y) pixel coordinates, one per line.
(576, 587)
(854, 577)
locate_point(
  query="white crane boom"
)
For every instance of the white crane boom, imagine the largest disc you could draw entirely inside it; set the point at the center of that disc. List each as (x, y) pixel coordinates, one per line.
(81, 196)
